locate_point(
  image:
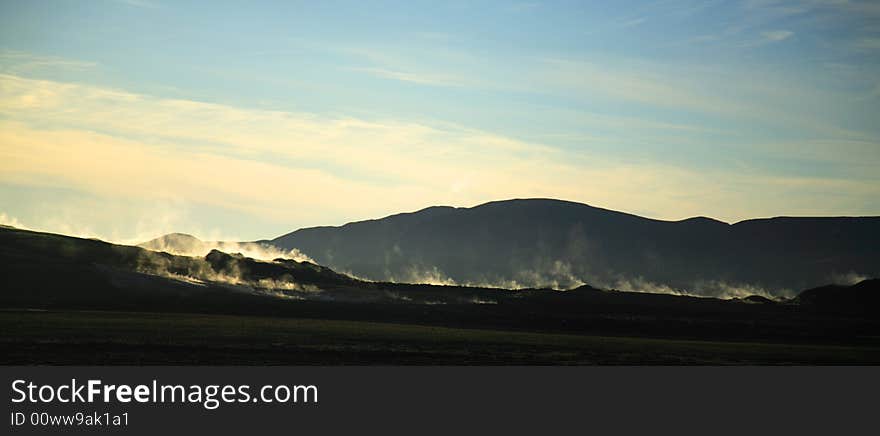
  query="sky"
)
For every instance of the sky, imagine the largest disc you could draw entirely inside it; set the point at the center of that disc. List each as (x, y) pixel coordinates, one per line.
(125, 120)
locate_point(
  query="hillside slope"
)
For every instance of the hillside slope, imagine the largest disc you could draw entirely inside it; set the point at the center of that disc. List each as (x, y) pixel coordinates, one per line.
(540, 242)
(54, 272)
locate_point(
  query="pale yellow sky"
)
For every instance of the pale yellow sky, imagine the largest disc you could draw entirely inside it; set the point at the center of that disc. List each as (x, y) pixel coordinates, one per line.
(296, 169)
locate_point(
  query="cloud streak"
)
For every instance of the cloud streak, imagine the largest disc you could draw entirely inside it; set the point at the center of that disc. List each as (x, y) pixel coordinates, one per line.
(777, 35)
(419, 78)
(19, 62)
(302, 169)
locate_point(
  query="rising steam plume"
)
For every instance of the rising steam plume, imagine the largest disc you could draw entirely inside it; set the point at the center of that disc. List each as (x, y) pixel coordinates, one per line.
(187, 245)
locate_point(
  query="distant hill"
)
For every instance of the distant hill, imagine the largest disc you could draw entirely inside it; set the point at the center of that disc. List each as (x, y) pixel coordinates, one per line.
(542, 242)
(177, 243)
(861, 298)
(45, 270)
(42, 271)
(188, 245)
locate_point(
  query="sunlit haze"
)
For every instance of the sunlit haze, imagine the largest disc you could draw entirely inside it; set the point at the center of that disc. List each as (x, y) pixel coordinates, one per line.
(129, 119)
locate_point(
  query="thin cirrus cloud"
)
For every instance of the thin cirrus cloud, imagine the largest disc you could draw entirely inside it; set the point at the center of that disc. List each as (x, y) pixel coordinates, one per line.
(139, 3)
(766, 38)
(419, 78)
(305, 169)
(868, 44)
(308, 116)
(777, 35)
(19, 62)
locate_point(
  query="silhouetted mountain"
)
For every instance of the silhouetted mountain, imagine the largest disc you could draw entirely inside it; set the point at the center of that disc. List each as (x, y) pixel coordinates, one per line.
(540, 242)
(861, 298)
(54, 272)
(188, 245)
(757, 299)
(176, 242)
(280, 271)
(44, 268)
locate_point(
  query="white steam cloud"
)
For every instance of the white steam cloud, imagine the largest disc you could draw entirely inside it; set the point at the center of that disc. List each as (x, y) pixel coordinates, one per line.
(639, 284)
(11, 221)
(552, 274)
(186, 245)
(701, 288)
(197, 271)
(558, 275)
(849, 278)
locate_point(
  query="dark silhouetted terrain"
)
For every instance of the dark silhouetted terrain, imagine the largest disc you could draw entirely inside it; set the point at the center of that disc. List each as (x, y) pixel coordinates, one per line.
(72, 300)
(520, 243)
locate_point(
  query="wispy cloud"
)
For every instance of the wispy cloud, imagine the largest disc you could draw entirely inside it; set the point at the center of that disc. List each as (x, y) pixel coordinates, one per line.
(139, 3)
(7, 220)
(307, 169)
(755, 95)
(420, 78)
(642, 87)
(794, 7)
(766, 38)
(777, 35)
(868, 44)
(523, 6)
(20, 62)
(633, 22)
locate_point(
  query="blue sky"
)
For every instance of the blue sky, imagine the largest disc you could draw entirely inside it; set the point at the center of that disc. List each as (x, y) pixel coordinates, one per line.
(125, 119)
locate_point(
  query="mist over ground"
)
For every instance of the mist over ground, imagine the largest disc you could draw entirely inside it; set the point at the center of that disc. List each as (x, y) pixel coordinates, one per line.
(561, 245)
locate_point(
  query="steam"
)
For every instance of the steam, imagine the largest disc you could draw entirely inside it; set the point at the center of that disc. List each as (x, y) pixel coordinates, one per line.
(639, 284)
(850, 278)
(11, 221)
(286, 286)
(555, 274)
(544, 272)
(725, 290)
(347, 272)
(560, 275)
(552, 274)
(424, 276)
(197, 271)
(185, 245)
(703, 288)
(398, 296)
(476, 300)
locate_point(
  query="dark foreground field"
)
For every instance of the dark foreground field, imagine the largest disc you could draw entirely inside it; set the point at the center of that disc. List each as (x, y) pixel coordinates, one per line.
(67, 300)
(84, 337)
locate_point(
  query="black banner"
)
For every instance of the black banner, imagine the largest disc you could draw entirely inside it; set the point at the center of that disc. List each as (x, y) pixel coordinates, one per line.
(452, 400)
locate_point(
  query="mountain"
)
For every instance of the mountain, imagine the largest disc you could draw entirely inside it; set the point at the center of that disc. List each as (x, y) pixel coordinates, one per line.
(48, 272)
(543, 242)
(189, 245)
(44, 270)
(862, 298)
(178, 243)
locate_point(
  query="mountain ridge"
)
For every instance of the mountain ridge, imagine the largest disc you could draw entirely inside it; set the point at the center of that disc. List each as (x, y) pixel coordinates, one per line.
(233, 270)
(548, 199)
(537, 242)
(50, 276)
